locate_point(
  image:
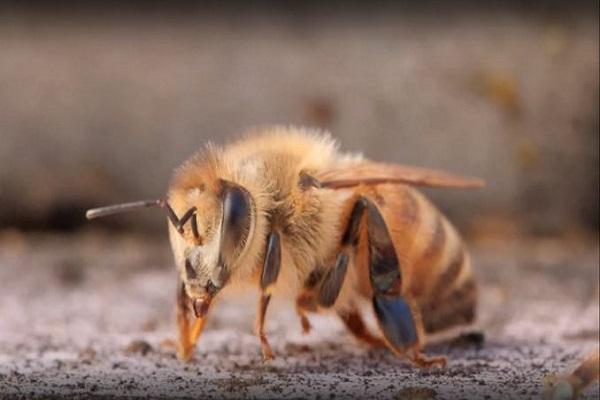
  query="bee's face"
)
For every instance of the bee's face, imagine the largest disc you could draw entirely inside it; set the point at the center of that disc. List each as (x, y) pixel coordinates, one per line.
(209, 243)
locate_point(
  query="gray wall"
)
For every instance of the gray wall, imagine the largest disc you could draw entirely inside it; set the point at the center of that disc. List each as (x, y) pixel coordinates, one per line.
(101, 109)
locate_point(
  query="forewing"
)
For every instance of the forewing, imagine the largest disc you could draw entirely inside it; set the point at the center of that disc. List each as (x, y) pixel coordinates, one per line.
(375, 173)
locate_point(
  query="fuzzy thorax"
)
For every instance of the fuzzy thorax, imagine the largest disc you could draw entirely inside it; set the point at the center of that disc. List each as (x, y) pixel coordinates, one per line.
(268, 164)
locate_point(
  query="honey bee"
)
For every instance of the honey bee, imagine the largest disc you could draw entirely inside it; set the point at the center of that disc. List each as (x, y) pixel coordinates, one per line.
(285, 210)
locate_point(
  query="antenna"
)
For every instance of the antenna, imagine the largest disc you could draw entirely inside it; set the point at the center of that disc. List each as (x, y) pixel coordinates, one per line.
(160, 203)
(121, 208)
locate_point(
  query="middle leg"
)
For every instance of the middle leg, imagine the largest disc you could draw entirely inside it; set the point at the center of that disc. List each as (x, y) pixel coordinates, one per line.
(306, 301)
(270, 271)
(304, 304)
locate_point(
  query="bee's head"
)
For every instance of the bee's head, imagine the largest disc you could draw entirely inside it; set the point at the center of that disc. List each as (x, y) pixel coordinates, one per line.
(210, 227)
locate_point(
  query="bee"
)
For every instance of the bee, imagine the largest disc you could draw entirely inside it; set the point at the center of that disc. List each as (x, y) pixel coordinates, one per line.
(284, 210)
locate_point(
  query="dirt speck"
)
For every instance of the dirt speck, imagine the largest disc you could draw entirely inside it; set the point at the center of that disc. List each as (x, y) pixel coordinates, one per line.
(139, 347)
(416, 393)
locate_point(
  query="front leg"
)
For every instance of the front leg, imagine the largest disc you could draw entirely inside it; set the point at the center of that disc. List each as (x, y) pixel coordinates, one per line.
(188, 333)
(270, 271)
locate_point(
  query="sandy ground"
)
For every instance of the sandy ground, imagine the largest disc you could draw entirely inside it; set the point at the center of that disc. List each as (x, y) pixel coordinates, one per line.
(87, 315)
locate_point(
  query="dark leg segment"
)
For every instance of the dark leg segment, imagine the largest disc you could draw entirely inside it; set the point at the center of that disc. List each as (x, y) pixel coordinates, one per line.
(384, 267)
(272, 262)
(396, 320)
(333, 280)
(332, 284)
(395, 314)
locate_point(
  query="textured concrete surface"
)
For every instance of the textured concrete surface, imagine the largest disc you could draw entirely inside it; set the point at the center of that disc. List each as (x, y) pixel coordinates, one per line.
(87, 316)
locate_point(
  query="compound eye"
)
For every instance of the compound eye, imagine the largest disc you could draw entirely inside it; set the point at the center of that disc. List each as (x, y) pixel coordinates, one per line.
(236, 218)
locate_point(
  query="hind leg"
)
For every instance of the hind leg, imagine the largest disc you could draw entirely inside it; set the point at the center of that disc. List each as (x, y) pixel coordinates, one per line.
(355, 324)
(400, 323)
(397, 315)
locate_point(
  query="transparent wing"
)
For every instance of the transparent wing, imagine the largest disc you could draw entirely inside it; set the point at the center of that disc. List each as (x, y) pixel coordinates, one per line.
(374, 173)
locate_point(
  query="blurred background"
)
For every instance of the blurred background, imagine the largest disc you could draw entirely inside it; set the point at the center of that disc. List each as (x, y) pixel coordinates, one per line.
(98, 103)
